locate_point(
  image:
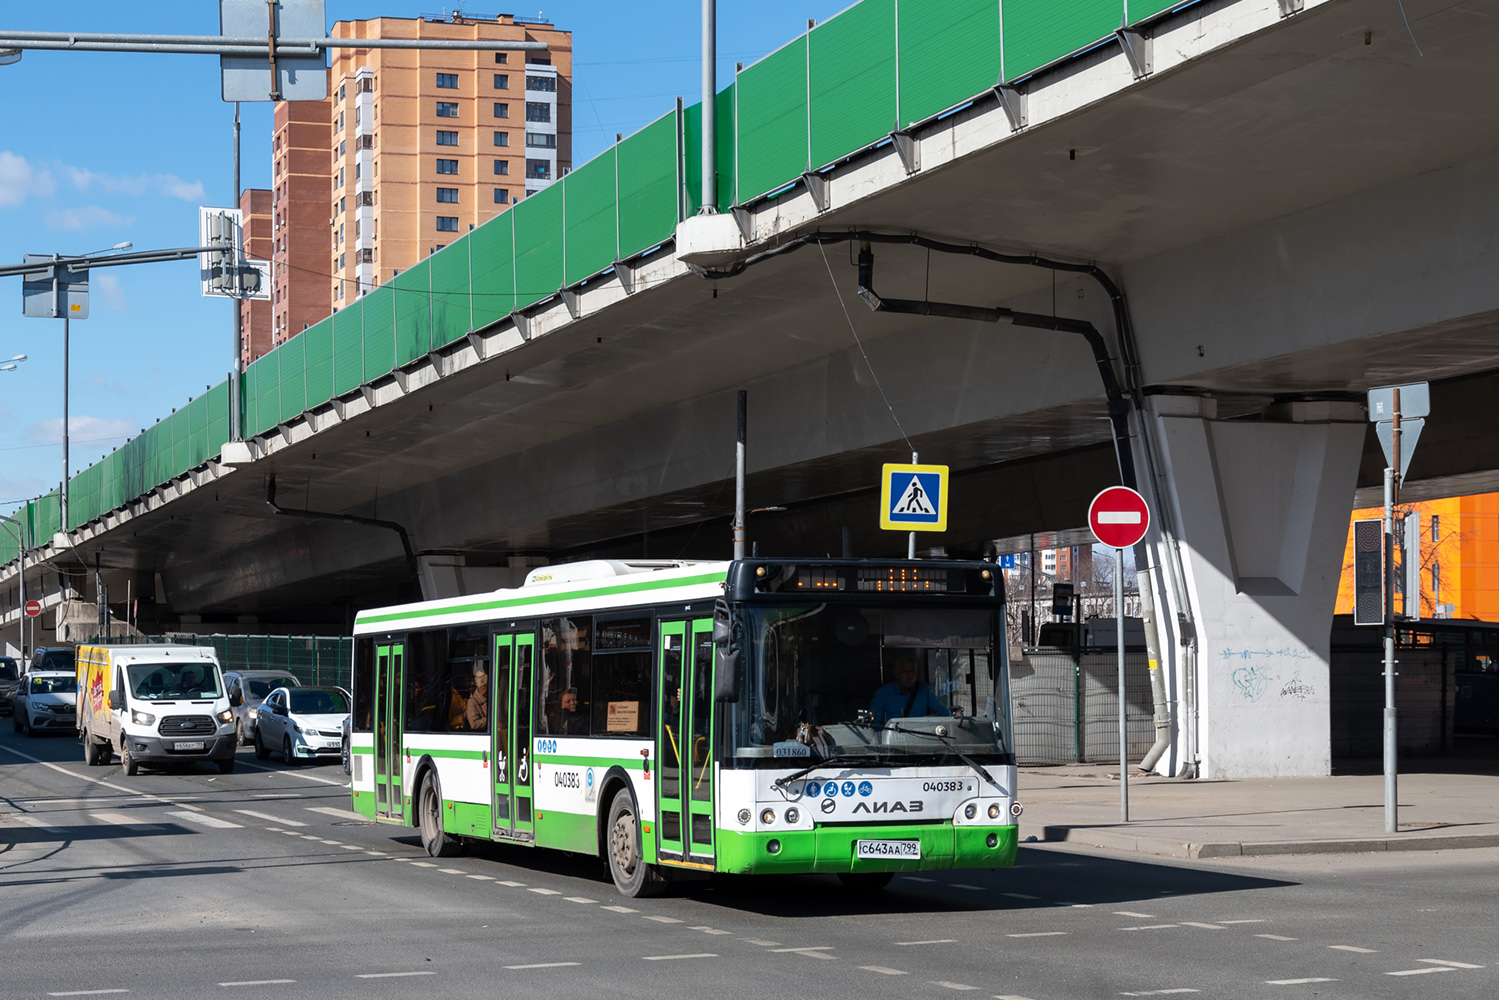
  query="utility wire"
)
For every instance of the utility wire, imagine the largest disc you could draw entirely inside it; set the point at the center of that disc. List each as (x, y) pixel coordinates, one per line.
(863, 353)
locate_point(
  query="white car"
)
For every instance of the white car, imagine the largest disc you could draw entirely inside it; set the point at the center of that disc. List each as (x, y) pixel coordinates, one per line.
(302, 723)
(45, 701)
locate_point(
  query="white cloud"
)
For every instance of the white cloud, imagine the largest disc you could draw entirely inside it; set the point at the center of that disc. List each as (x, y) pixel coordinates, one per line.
(169, 185)
(19, 180)
(110, 291)
(84, 429)
(74, 219)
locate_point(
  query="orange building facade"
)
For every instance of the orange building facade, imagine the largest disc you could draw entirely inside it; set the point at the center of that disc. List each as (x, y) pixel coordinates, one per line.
(1459, 558)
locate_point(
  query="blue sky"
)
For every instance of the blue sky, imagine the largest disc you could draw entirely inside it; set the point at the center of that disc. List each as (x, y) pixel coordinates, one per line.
(97, 148)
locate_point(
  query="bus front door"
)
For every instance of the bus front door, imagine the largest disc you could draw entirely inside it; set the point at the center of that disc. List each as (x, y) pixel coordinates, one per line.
(684, 826)
(510, 739)
(388, 663)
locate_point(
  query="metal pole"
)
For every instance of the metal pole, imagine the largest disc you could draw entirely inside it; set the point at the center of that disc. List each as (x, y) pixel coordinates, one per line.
(63, 498)
(1119, 649)
(709, 204)
(1391, 765)
(739, 449)
(911, 539)
(236, 432)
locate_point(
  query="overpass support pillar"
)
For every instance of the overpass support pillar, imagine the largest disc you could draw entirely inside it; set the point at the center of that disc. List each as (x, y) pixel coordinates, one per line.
(1262, 510)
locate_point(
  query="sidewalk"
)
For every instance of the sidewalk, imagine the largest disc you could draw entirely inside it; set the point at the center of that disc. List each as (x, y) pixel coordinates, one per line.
(1173, 817)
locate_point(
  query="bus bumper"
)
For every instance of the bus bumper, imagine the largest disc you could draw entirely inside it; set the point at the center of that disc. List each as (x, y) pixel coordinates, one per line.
(831, 848)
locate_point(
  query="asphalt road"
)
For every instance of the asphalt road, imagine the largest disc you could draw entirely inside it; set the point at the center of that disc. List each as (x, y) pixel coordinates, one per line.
(263, 884)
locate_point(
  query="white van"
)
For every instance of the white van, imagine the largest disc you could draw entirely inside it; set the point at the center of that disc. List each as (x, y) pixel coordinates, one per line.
(153, 705)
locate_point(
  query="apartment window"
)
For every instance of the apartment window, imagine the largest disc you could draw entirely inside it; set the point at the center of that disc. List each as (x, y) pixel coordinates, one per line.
(367, 85)
(541, 140)
(447, 138)
(447, 166)
(502, 81)
(341, 148)
(357, 166)
(366, 142)
(539, 60)
(547, 83)
(342, 205)
(340, 232)
(366, 256)
(540, 170)
(538, 111)
(501, 196)
(340, 176)
(502, 167)
(501, 58)
(447, 109)
(447, 81)
(356, 116)
(342, 259)
(341, 92)
(502, 138)
(365, 198)
(447, 223)
(502, 111)
(356, 230)
(448, 195)
(340, 121)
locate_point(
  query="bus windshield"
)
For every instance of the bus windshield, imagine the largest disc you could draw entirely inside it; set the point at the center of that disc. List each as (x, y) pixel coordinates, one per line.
(898, 685)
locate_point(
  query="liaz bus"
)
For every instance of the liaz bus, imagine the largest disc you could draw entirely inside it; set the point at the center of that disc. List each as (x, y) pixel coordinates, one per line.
(684, 718)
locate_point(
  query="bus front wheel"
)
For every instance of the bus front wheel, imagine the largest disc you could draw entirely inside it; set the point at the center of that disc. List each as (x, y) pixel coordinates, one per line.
(627, 865)
(436, 841)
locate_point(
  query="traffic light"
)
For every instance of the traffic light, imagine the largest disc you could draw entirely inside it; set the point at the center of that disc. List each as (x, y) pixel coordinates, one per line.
(1368, 572)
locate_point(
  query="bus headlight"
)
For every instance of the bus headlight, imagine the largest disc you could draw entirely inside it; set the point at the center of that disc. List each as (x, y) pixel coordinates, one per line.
(1016, 809)
(744, 817)
(768, 816)
(994, 810)
(774, 847)
(792, 815)
(971, 810)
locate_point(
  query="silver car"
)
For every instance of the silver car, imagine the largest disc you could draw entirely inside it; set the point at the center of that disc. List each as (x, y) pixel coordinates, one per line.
(302, 723)
(45, 701)
(247, 689)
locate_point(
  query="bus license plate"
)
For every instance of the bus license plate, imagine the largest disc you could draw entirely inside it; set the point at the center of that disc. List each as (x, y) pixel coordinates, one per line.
(193, 745)
(901, 850)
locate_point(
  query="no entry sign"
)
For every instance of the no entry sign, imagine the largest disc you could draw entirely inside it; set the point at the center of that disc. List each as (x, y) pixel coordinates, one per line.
(33, 608)
(1118, 517)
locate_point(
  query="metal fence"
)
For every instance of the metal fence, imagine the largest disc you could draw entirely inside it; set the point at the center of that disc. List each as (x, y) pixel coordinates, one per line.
(1066, 705)
(311, 659)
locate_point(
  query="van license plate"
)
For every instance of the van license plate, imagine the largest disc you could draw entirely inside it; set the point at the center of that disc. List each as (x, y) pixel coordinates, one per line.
(194, 745)
(901, 850)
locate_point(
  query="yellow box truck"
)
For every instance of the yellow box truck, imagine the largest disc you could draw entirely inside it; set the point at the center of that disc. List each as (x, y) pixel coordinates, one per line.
(153, 705)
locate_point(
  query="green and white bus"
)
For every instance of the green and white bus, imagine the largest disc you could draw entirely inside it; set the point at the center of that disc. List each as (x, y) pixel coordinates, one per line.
(681, 718)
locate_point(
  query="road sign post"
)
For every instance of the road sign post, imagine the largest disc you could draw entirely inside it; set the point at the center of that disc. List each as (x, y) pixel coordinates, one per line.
(1396, 410)
(1119, 519)
(913, 498)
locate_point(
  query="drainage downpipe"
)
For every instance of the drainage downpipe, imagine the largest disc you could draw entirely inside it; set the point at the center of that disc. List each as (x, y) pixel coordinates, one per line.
(1118, 410)
(318, 515)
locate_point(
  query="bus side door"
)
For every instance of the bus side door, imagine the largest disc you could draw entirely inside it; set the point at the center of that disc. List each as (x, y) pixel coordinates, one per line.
(510, 735)
(389, 682)
(684, 789)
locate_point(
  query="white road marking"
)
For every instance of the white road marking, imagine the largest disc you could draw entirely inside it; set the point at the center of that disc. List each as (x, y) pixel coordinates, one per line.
(1132, 913)
(1443, 961)
(349, 847)
(1160, 993)
(392, 975)
(1018, 895)
(102, 783)
(616, 909)
(116, 818)
(258, 982)
(916, 944)
(377, 854)
(554, 892)
(203, 819)
(1276, 937)
(882, 970)
(951, 986)
(1299, 982)
(294, 774)
(330, 843)
(309, 836)
(1009, 996)
(1354, 948)
(917, 878)
(544, 965)
(483, 878)
(762, 944)
(332, 811)
(1039, 934)
(40, 824)
(960, 885)
(1149, 927)
(453, 871)
(1257, 921)
(269, 818)
(424, 864)
(579, 899)
(521, 885)
(1422, 972)
(84, 993)
(1206, 927)
(659, 920)
(672, 958)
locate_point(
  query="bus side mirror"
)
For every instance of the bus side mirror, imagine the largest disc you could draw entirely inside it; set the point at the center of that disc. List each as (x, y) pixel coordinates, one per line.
(723, 631)
(726, 675)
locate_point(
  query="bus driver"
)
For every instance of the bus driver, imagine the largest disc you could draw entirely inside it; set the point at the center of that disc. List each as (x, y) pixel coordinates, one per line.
(905, 696)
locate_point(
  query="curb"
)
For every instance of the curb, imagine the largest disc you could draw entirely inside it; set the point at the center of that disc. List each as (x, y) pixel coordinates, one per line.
(1111, 840)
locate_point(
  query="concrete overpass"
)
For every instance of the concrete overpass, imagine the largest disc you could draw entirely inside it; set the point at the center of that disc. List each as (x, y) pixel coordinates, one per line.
(1296, 204)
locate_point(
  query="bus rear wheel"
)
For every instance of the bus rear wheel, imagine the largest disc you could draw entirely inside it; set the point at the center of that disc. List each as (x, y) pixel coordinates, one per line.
(627, 865)
(435, 841)
(865, 881)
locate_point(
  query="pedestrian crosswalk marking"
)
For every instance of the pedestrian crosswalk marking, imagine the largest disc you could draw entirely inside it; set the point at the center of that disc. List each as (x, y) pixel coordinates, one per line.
(203, 819)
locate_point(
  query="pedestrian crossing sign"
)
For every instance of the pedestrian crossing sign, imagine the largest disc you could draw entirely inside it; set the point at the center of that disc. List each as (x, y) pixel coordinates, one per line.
(913, 498)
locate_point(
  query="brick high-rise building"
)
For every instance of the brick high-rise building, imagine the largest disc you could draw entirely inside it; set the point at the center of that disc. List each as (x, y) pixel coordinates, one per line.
(412, 149)
(255, 314)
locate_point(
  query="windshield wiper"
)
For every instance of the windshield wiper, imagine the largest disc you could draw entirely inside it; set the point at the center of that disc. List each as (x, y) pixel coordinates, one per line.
(897, 727)
(837, 758)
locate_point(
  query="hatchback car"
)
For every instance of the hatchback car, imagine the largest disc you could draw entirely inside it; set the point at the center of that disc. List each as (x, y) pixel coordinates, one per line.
(10, 679)
(302, 723)
(45, 701)
(247, 689)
